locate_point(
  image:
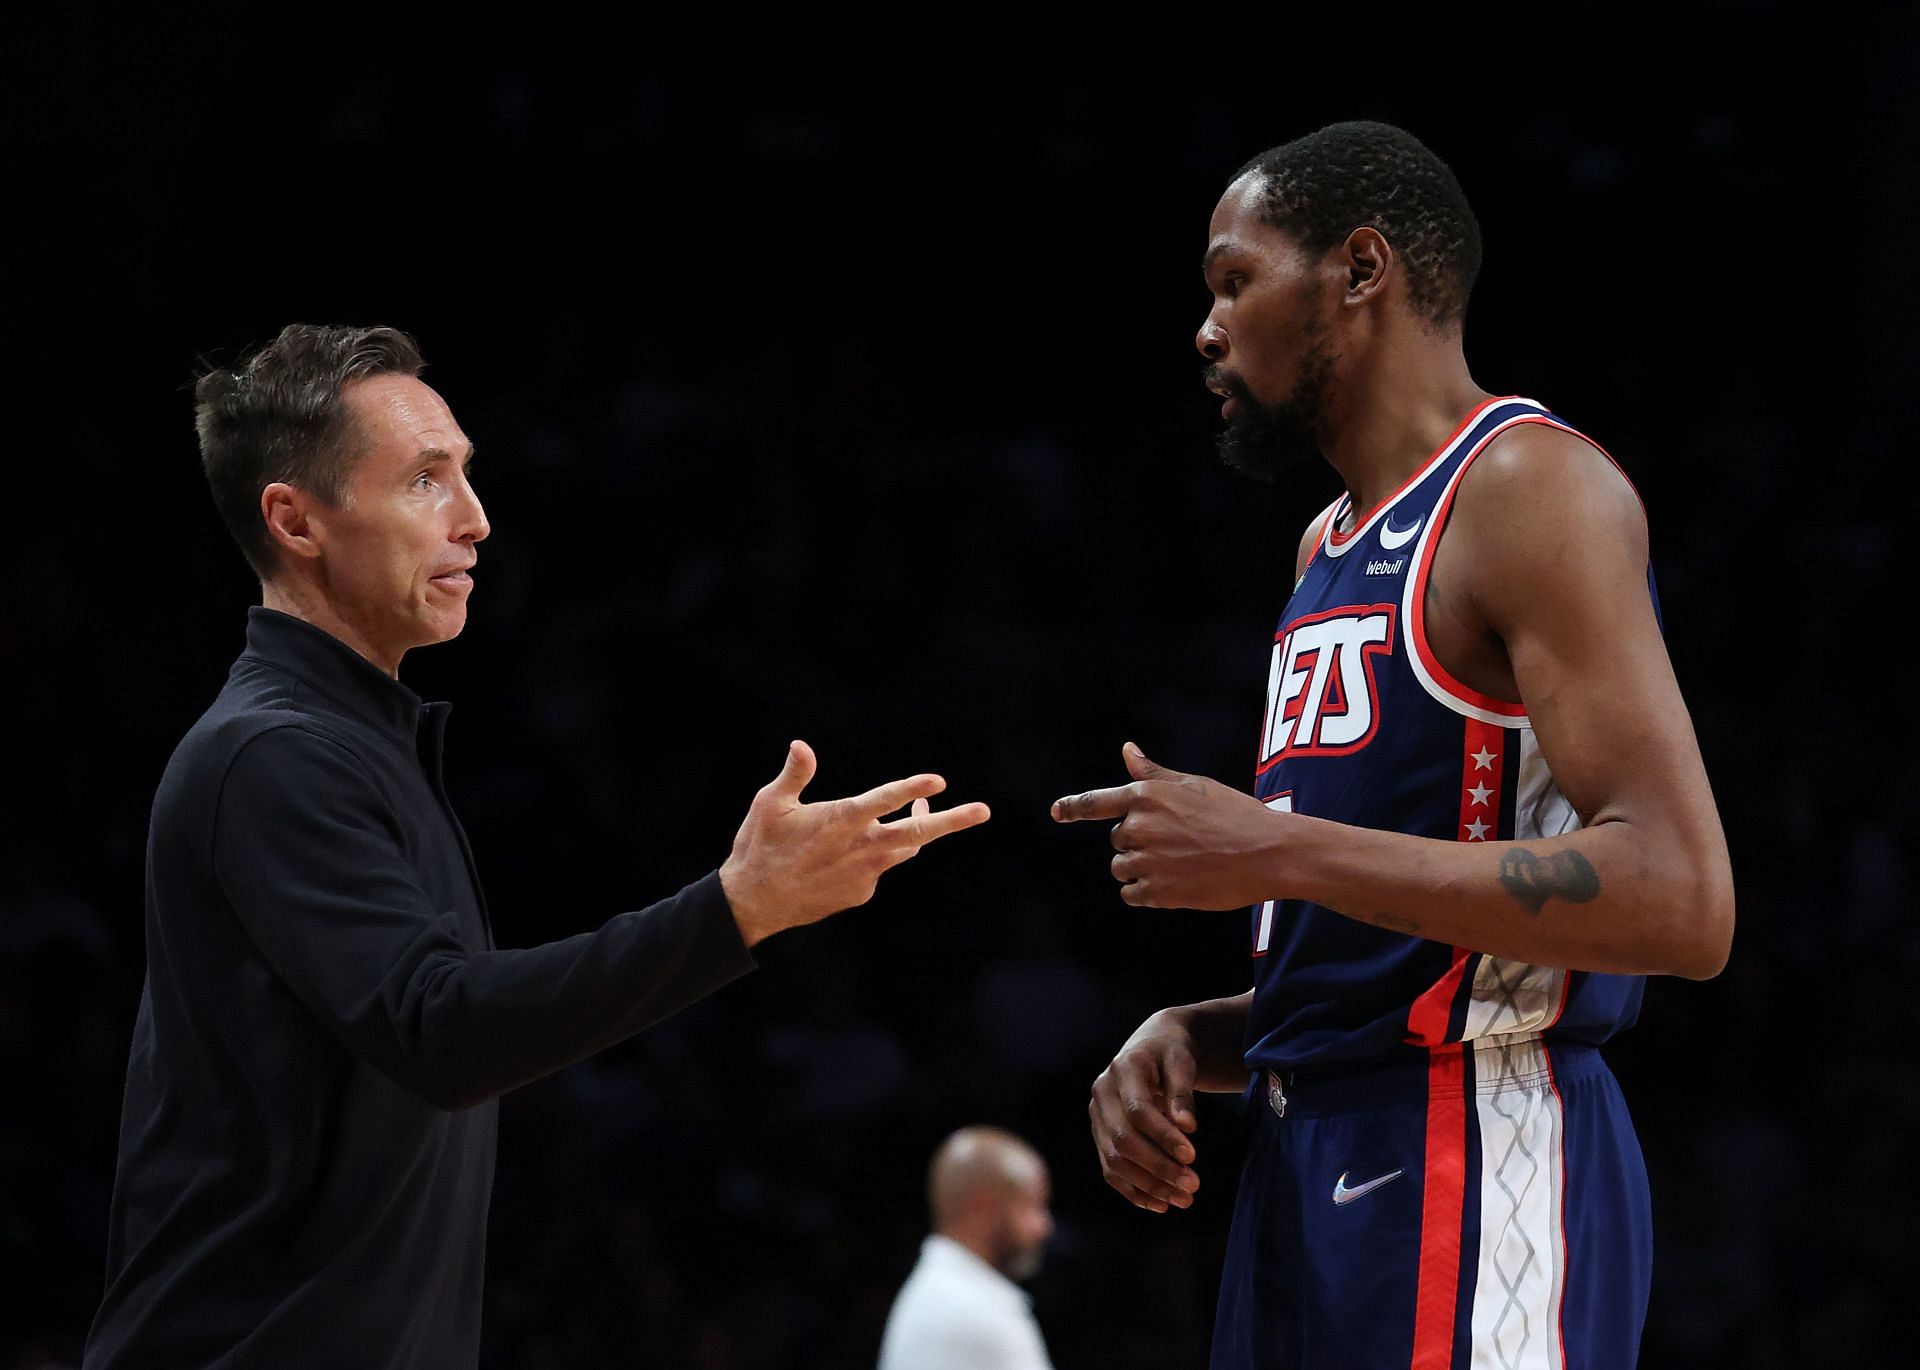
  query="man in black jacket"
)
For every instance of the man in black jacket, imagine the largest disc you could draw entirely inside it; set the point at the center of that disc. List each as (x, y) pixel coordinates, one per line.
(307, 1144)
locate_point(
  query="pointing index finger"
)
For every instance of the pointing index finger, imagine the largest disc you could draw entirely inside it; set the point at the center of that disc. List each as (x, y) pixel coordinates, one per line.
(1113, 803)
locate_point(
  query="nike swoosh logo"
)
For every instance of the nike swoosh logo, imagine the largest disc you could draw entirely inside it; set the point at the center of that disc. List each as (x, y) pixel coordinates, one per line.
(1391, 537)
(1343, 1195)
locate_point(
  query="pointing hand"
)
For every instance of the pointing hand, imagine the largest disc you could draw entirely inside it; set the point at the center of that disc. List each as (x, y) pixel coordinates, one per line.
(1184, 841)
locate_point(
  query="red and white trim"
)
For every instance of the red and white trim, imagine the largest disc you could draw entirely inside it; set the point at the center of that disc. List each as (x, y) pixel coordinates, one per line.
(1319, 528)
(1335, 543)
(1433, 677)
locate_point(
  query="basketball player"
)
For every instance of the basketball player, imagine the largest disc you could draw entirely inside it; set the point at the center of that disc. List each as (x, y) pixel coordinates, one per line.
(1479, 818)
(307, 1144)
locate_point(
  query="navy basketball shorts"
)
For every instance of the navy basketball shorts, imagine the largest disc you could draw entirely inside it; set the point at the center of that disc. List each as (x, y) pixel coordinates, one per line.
(1486, 1207)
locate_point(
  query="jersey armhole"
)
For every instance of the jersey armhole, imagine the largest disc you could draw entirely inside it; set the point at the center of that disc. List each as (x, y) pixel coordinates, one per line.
(1434, 678)
(1317, 531)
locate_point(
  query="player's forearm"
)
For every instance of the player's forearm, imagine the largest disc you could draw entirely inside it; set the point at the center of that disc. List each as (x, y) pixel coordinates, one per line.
(1611, 897)
(1217, 1028)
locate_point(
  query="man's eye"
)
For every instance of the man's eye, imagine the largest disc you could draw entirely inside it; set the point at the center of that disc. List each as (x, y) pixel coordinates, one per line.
(423, 481)
(1230, 287)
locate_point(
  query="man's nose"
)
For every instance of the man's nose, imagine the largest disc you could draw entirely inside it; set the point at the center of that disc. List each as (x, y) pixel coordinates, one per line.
(1211, 340)
(473, 526)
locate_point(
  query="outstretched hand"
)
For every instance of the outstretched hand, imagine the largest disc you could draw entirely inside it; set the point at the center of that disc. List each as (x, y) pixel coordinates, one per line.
(795, 863)
(1184, 841)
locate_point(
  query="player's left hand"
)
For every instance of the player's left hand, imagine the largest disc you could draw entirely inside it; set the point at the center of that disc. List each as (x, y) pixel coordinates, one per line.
(1183, 841)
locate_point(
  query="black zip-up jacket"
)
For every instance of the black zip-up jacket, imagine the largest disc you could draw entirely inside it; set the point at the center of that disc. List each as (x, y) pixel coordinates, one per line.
(307, 1144)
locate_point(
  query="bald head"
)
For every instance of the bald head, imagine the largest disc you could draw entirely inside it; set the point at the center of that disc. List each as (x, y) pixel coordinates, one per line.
(988, 1190)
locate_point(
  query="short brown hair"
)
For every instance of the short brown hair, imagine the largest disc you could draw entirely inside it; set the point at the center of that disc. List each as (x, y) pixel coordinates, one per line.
(277, 416)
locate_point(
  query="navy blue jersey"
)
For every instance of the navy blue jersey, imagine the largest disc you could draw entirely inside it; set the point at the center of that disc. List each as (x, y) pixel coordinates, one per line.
(1364, 726)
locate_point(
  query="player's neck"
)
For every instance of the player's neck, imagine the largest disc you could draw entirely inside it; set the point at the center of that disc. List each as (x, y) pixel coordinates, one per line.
(1392, 416)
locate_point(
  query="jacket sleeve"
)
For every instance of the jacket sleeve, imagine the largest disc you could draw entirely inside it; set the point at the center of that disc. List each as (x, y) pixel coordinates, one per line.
(308, 853)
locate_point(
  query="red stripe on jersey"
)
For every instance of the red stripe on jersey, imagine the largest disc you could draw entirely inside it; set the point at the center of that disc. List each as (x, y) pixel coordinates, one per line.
(1483, 770)
(1441, 1210)
(1427, 1020)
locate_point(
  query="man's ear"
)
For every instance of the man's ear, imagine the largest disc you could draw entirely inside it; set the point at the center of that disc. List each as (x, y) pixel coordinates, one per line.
(286, 510)
(1369, 260)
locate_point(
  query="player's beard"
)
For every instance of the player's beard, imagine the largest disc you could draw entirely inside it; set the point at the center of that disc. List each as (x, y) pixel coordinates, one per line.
(1264, 441)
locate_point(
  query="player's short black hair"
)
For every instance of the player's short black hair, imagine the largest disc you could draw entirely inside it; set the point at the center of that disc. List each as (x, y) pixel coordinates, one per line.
(276, 415)
(1363, 174)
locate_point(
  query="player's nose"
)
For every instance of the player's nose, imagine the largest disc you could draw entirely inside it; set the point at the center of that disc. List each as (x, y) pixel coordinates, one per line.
(1211, 340)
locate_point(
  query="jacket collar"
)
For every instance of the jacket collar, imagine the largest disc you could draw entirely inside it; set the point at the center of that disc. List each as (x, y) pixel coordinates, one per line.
(322, 661)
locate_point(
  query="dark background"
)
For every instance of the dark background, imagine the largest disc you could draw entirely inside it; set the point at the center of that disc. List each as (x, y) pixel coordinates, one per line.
(857, 402)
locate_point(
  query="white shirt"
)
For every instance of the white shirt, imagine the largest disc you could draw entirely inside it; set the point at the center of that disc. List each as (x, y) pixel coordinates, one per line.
(956, 1312)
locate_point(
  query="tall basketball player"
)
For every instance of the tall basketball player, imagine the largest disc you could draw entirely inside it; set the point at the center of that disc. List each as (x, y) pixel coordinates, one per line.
(1479, 818)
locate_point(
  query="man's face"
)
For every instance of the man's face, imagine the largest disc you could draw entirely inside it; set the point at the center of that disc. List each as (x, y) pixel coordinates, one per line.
(1026, 1224)
(398, 546)
(1267, 338)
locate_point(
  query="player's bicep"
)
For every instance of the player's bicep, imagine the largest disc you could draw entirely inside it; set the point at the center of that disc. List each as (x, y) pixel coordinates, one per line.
(1560, 544)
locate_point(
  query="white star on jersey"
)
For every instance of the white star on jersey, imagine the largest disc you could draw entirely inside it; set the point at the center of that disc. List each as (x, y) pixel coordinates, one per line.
(1483, 760)
(1476, 831)
(1480, 793)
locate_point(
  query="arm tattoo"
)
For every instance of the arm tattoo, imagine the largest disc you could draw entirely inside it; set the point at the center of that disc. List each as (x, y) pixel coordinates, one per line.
(1533, 880)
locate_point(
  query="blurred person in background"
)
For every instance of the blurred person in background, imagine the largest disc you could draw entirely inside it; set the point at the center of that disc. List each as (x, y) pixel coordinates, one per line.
(308, 1129)
(962, 1308)
(1480, 817)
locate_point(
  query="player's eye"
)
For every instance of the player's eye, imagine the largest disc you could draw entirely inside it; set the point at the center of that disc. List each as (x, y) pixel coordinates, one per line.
(423, 481)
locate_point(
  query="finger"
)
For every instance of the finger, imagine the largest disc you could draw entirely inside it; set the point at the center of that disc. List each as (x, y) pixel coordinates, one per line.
(1180, 1195)
(1137, 894)
(1137, 1198)
(1126, 866)
(1142, 769)
(1139, 1131)
(1077, 808)
(895, 794)
(920, 808)
(1177, 1072)
(923, 828)
(1122, 835)
(798, 770)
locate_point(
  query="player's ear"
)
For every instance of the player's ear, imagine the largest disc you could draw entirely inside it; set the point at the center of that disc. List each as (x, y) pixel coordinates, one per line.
(1368, 260)
(284, 507)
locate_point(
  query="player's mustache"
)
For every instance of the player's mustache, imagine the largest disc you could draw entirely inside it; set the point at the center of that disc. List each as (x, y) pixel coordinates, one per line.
(1217, 377)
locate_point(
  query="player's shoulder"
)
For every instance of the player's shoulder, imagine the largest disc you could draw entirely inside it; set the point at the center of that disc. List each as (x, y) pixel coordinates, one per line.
(1547, 471)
